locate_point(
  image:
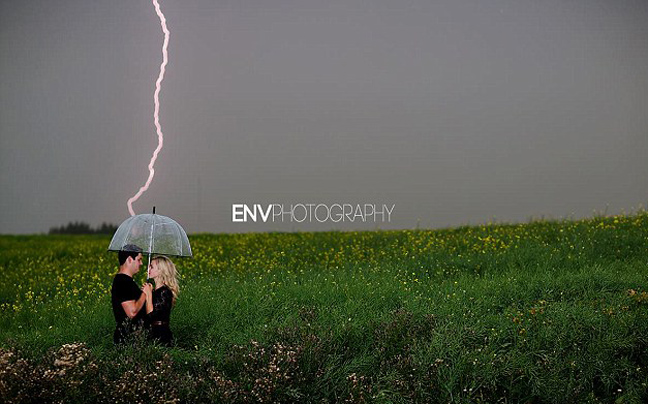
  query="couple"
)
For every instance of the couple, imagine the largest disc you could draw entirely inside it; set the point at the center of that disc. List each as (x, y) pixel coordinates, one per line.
(148, 308)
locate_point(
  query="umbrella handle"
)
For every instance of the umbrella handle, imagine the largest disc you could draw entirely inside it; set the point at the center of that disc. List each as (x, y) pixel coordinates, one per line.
(148, 267)
(148, 273)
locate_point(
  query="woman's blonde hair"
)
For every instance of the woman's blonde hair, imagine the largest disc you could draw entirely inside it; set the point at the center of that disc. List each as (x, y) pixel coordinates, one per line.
(167, 274)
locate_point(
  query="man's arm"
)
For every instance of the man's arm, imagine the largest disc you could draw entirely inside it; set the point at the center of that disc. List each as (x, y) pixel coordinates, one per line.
(132, 307)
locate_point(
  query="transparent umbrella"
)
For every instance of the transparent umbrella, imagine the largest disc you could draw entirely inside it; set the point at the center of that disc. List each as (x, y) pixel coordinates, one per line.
(154, 234)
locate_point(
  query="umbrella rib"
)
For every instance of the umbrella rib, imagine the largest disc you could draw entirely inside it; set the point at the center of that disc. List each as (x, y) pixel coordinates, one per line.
(151, 237)
(127, 233)
(179, 240)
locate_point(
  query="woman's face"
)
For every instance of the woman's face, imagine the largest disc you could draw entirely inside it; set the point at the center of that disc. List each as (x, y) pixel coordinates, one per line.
(153, 269)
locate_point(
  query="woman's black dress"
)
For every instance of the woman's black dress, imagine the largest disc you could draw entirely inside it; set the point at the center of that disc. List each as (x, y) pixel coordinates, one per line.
(158, 319)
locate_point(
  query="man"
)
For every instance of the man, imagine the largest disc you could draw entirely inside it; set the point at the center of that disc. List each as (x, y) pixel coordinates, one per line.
(128, 301)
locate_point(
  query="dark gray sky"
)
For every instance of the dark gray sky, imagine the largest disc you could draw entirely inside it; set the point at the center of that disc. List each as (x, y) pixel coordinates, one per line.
(455, 111)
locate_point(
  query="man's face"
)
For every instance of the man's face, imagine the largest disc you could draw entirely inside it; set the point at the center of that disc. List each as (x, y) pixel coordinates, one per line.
(136, 263)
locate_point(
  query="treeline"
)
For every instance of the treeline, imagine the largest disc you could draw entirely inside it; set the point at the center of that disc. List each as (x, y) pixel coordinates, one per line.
(84, 228)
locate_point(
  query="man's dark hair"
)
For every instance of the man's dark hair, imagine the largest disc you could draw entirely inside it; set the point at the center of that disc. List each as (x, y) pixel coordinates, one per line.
(129, 250)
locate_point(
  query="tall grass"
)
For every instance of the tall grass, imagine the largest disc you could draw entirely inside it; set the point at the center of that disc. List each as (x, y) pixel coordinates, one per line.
(545, 312)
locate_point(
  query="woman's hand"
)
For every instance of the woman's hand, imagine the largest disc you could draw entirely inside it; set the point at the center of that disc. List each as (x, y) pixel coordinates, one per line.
(147, 288)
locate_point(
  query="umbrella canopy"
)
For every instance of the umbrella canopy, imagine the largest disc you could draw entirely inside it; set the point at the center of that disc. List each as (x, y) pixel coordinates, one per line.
(154, 234)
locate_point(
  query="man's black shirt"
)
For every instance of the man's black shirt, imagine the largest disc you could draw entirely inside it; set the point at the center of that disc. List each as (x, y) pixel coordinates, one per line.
(124, 289)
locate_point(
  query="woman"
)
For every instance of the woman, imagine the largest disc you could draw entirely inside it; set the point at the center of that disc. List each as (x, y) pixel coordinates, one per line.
(160, 301)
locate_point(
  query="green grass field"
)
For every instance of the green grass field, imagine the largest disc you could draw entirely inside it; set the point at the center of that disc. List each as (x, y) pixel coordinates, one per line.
(545, 312)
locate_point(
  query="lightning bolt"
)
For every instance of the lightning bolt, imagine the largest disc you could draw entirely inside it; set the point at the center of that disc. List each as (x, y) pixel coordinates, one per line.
(156, 113)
